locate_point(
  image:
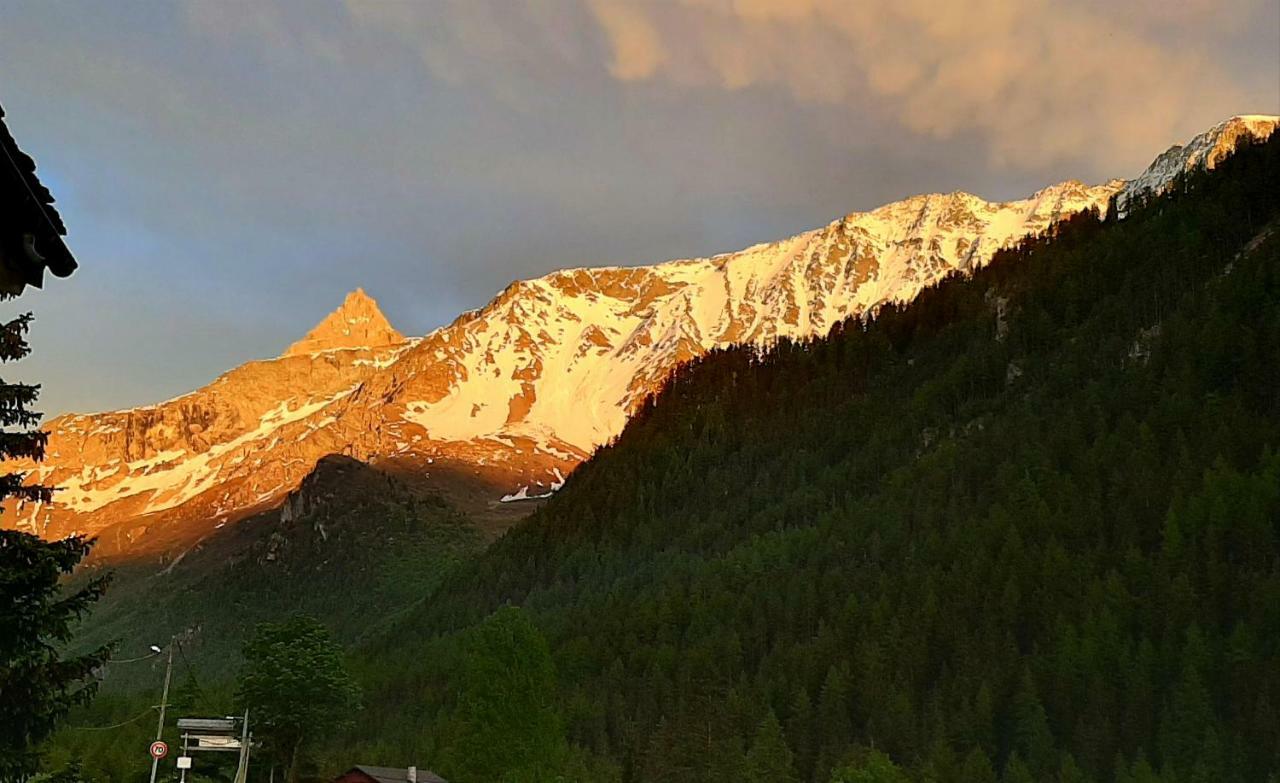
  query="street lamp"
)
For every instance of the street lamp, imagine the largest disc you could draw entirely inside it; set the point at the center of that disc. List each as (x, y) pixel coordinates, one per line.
(153, 651)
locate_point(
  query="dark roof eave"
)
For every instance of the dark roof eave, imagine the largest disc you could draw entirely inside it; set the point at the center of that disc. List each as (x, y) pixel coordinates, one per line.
(48, 228)
(395, 774)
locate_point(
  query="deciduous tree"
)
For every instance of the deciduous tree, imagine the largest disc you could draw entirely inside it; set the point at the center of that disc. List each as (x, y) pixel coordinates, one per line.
(296, 686)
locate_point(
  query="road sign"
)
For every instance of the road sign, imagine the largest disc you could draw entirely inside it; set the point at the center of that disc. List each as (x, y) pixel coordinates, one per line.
(213, 742)
(184, 762)
(159, 750)
(226, 725)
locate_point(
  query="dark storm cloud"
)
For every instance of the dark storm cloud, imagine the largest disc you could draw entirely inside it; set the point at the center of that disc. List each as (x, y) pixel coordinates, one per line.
(229, 170)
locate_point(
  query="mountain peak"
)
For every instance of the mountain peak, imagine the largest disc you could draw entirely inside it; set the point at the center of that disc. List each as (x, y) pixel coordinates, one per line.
(518, 392)
(1203, 151)
(357, 323)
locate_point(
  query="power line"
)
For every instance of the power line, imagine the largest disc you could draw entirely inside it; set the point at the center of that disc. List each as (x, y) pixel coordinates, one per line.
(134, 719)
(148, 710)
(146, 657)
(204, 697)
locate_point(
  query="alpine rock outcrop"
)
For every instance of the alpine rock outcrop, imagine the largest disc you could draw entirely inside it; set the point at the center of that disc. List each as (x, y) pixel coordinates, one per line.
(508, 399)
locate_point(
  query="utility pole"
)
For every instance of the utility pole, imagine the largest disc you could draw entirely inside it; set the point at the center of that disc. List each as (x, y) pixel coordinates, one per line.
(164, 702)
(242, 771)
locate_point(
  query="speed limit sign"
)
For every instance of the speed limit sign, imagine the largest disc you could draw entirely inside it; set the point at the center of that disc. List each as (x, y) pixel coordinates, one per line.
(159, 750)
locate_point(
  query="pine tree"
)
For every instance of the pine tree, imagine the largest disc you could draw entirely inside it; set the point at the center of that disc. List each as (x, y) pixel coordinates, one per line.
(835, 730)
(977, 768)
(657, 762)
(800, 730)
(1016, 771)
(770, 760)
(38, 685)
(875, 768)
(510, 725)
(1190, 709)
(1142, 771)
(983, 719)
(1032, 738)
(1070, 772)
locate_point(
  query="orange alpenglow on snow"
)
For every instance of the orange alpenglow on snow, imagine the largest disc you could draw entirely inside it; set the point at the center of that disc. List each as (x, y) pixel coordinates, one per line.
(357, 323)
(509, 398)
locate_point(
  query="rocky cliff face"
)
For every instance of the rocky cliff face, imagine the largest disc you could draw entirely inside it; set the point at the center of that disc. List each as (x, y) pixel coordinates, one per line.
(512, 396)
(357, 324)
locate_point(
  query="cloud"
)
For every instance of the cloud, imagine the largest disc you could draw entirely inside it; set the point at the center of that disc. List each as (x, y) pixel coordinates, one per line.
(637, 49)
(1039, 81)
(462, 41)
(233, 23)
(251, 160)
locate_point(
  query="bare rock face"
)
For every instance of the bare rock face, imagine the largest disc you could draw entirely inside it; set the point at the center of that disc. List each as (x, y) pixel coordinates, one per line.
(358, 323)
(508, 399)
(157, 476)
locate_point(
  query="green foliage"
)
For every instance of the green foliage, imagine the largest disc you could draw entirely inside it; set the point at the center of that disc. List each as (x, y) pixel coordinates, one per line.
(372, 548)
(1016, 771)
(296, 687)
(506, 724)
(977, 768)
(927, 535)
(72, 772)
(1027, 523)
(1031, 735)
(38, 684)
(770, 760)
(875, 768)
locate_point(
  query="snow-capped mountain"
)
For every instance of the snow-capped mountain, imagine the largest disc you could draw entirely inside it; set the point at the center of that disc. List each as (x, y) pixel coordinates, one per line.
(1205, 150)
(509, 398)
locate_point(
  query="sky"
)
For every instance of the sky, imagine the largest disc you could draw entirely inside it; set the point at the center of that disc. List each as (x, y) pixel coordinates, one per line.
(229, 169)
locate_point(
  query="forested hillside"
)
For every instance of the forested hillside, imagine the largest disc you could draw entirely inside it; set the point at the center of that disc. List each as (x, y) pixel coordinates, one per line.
(1022, 529)
(353, 546)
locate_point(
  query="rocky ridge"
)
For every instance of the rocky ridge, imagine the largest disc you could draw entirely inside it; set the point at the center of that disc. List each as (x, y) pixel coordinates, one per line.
(514, 395)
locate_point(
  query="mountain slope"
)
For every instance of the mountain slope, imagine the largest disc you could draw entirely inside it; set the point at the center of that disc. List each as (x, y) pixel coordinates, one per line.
(351, 545)
(1027, 523)
(508, 399)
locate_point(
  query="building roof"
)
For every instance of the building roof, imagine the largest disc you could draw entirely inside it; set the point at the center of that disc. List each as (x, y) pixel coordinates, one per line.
(31, 230)
(397, 774)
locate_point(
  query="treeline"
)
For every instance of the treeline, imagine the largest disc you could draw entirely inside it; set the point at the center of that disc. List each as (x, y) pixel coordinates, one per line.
(1024, 528)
